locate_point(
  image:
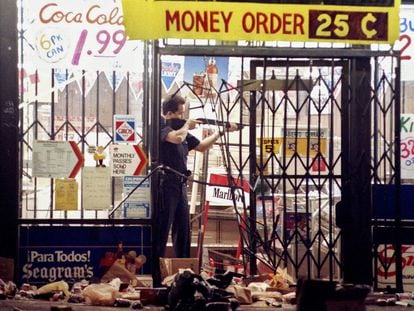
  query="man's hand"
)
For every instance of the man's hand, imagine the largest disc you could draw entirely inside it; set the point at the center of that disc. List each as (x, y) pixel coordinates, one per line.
(191, 123)
(232, 127)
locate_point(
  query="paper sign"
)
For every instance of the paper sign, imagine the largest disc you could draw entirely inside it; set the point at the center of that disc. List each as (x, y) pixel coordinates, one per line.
(96, 186)
(127, 160)
(406, 42)
(56, 159)
(296, 140)
(138, 203)
(66, 194)
(407, 146)
(305, 142)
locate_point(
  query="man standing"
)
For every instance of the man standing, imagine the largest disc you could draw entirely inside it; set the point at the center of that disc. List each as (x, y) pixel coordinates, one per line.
(175, 143)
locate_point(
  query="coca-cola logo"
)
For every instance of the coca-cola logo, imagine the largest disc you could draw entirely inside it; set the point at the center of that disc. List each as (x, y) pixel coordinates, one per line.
(51, 13)
(388, 259)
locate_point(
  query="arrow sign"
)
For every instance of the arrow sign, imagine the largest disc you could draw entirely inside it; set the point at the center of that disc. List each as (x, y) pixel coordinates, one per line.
(127, 160)
(56, 159)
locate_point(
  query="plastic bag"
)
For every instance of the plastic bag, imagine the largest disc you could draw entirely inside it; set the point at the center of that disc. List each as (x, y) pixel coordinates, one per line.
(100, 294)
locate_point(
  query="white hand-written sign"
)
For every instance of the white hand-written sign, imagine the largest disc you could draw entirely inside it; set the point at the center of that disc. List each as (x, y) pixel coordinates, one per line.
(407, 146)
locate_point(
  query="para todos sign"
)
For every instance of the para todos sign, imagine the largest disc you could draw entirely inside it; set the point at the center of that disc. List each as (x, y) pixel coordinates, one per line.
(49, 254)
(60, 264)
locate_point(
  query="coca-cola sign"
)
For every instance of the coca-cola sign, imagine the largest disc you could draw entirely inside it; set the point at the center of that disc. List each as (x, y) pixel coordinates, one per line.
(386, 268)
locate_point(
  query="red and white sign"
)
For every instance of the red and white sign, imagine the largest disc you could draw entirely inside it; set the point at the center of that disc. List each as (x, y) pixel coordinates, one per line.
(387, 257)
(406, 42)
(56, 159)
(124, 126)
(85, 34)
(319, 164)
(127, 160)
(407, 145)
(219, 192)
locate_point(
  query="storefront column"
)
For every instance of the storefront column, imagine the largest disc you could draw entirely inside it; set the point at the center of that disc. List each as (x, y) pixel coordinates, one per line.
(8, 129)
(354, 212)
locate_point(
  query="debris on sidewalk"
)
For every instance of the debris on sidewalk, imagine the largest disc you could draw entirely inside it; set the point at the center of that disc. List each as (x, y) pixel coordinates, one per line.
(211, 290)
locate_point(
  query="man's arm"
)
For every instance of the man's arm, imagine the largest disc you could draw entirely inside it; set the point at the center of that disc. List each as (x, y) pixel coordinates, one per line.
(178, 136)
(209, 141)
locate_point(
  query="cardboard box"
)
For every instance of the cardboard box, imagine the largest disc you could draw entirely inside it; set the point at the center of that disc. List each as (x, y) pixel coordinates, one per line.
(170, 266)
(145, 280)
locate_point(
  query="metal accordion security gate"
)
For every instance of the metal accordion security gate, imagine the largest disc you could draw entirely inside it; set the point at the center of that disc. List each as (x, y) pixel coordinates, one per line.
(320, 130)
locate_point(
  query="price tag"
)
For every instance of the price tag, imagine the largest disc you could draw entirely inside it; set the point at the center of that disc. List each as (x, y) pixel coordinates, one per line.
(104, 44)
(339, 25)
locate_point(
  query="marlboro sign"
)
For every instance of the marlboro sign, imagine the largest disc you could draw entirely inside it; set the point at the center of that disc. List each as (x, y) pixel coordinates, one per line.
(219, 192)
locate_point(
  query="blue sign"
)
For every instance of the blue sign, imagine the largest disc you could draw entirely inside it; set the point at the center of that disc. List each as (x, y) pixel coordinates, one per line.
(169, 72)
(138, 203)
(48, 254)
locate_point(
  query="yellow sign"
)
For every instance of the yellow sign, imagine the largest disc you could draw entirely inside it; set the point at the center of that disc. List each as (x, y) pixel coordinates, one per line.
(297, 140)
(66, 194)
(152, 19)
(270, 145)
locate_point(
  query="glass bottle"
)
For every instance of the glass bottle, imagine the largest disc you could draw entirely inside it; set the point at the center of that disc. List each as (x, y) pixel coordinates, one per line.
(212, 75)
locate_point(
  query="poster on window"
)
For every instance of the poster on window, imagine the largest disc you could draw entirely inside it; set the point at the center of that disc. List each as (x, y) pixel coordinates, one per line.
(136, 191)
(406, 42)
(205, 80)
(387, 277)
(96, 185)
(407, 146)
(86, 34)
(66, 194)
(77, 39)
(205, 76)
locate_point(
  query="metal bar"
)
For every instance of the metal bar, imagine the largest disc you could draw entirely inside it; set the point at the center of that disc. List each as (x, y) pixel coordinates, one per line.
(252, 168)
(127, 93)
(52, 137)
(146, 99)
(83, 103)
(375, 180)
(155, 153)
(105, 221)
(114, 111)
(231, 51)
(397, 159)
(35, 136)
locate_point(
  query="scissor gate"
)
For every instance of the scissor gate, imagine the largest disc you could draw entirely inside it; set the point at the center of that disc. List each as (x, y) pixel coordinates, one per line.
(321, 131)
(321, 128)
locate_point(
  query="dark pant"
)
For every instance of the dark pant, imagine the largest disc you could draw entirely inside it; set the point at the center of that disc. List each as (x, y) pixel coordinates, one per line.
(174, 215)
